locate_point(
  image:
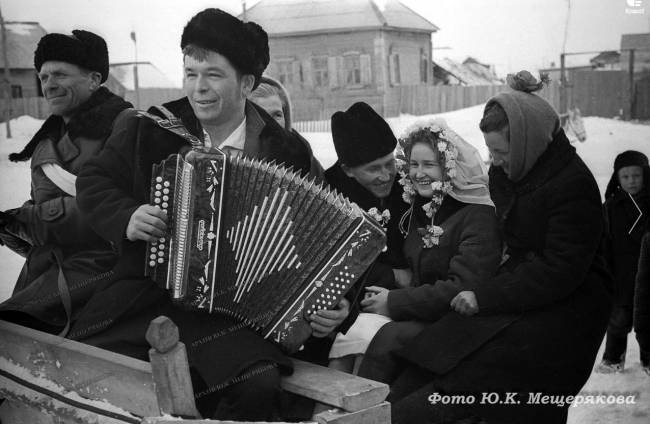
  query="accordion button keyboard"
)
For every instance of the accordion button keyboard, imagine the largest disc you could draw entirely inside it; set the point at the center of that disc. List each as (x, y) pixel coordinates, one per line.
(166, 184)
(161, 260)
(158, 187)
(152, 264)
(165, 198)
(164, 205)
(156, 200)
(157, 193)
(153, 256)
(159, 179)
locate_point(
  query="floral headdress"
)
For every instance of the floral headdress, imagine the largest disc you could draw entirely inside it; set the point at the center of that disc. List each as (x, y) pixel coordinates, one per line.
(447, 154)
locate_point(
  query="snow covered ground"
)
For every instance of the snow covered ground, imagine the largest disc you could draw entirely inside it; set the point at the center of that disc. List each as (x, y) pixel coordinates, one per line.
(606, 138)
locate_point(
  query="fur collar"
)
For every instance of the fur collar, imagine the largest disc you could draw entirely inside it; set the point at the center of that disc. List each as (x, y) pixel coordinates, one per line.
(94, 119)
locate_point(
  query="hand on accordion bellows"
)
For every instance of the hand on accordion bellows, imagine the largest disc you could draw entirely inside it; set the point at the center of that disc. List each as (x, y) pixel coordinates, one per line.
(147, 223)
(465, 303)
(376, 300)
(325, 321)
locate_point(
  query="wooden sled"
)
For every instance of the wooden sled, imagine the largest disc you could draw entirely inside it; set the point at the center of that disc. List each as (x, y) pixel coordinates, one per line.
(49, 379)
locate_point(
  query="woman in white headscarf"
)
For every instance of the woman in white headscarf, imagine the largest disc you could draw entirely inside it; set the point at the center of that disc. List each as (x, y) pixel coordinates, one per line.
(540, 320)
(452, 241)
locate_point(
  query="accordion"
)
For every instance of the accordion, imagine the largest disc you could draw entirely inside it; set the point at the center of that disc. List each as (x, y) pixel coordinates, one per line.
(256, 241)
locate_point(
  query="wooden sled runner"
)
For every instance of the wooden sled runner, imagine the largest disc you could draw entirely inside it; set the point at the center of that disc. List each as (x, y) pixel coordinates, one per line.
(45, 379)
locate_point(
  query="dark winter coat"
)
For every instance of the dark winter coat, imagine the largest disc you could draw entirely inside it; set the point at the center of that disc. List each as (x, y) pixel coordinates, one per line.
(623, 249)
(542, 318)
(111, 187)
(642, 295)
(381, 271)
(50, 223)
(468, 254)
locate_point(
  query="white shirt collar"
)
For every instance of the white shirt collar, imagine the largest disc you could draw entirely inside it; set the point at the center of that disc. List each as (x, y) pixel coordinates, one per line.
(235, 140)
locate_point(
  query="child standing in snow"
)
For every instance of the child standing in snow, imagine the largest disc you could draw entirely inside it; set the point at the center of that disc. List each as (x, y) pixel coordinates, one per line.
(627, 208)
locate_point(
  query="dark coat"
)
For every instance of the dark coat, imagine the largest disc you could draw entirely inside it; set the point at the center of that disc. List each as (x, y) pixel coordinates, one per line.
(51, 221)
(623, 249)
(381, 271)
(542, 318)
(468, 253)
(116, 183)
(642, 297)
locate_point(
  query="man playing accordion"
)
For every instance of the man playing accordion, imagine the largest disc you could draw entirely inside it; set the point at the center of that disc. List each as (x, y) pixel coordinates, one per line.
(232, 366)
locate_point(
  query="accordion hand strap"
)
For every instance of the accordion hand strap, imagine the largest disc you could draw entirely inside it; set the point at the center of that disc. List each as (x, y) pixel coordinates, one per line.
(172, 124)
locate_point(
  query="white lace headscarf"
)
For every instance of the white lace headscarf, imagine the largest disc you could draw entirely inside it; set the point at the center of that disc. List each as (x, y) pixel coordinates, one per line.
(470, 182)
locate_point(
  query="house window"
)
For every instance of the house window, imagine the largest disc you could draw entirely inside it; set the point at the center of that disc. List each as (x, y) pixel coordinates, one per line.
(319, 71)
(395, 77)
(16, 92)
(352, 66)
(424, 66)
(285, 71)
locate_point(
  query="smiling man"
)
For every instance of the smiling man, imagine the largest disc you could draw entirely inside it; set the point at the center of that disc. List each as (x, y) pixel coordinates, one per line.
(235, 375)
(60, 247)
(365, 173)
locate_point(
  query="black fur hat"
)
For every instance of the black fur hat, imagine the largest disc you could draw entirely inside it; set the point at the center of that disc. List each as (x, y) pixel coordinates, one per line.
(82, 48)
(361, 135)
(244, 44)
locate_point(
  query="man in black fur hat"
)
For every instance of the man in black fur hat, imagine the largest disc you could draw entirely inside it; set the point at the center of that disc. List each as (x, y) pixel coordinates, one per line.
(235, 374)
(365, 173)
(60, 247)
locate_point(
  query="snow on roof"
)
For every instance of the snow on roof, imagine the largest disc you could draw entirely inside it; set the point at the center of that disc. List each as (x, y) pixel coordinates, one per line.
(283, 17)
(22, 38)
(148, 75)
(471, 72)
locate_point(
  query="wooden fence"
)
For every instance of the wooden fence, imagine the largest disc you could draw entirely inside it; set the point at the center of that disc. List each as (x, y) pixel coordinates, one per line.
(425, 100)
(37, 106)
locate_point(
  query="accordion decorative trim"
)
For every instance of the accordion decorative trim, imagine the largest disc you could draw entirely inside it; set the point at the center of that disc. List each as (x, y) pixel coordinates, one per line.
(257, 241)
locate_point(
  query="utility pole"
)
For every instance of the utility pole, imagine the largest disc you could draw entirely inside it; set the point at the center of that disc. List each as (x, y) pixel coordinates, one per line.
(7, 77)
(136, 82)
(563, 83)
(632, 88)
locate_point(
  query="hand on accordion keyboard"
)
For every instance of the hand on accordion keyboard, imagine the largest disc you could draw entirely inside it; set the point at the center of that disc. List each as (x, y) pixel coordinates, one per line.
(325, 321)
(147, 223)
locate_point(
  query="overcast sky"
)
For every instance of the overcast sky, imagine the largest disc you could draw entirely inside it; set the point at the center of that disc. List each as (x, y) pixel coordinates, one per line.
(511, 34)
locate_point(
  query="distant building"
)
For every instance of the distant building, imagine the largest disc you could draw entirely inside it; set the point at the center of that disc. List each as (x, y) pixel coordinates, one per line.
(153, 86)
(330, 54)
(470, 72)
(641, 45)
(606, 60)
(22, 38)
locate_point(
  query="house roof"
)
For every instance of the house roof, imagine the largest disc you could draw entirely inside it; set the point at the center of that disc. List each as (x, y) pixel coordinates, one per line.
(294, 17)
(148, 75)
(635, 41)
(606, 57)
(22, 39)
(470, 72)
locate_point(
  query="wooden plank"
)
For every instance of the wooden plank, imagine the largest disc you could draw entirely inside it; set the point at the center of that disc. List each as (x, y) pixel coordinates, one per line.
(336, 388)
(378, 414)
(15, 412)
(90, 372)
(170, 369)
(25, 405)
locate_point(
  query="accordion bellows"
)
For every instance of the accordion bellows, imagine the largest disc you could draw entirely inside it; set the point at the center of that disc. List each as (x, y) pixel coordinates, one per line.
(256, 241)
